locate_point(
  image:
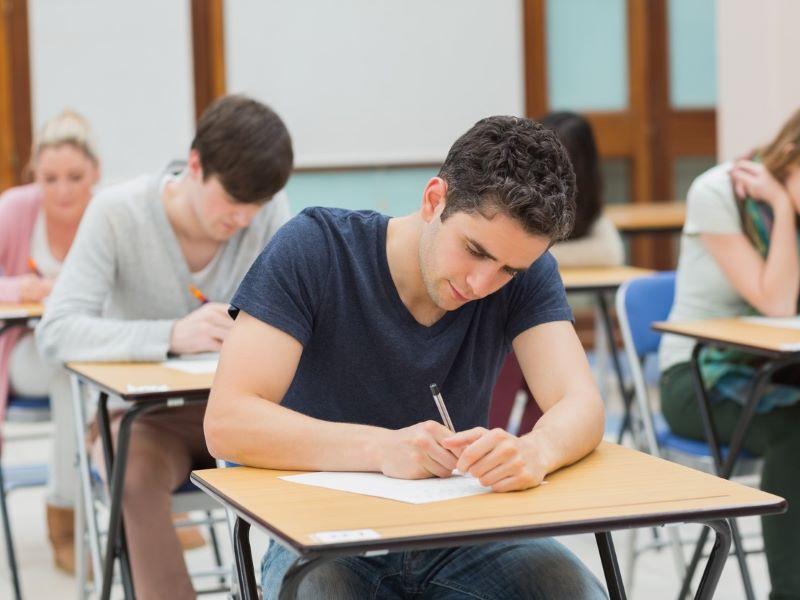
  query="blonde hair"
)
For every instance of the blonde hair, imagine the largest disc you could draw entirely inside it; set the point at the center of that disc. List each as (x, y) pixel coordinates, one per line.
(68, 127)
(783, 151)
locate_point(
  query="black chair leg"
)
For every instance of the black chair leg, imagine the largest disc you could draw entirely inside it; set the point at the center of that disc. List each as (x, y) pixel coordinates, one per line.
(10, 554)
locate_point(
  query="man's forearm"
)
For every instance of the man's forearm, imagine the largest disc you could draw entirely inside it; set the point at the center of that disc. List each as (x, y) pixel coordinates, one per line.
(259, 433)
(567, 432)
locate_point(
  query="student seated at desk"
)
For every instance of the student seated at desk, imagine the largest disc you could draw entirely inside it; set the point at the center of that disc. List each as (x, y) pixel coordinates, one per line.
(739, 256)
(347, 318)
(594, 240)
(38, 223)
(125, 294)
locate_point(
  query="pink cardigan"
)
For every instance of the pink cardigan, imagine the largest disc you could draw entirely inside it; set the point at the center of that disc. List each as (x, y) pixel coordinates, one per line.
(19, 208)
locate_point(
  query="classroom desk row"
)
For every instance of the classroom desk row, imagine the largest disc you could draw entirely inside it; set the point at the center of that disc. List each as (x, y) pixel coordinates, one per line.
(576, 499)
(655, 217)
(148, 387)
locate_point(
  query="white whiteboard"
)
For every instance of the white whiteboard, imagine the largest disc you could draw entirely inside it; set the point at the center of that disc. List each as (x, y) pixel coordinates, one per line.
(127, 67)
(363, 82)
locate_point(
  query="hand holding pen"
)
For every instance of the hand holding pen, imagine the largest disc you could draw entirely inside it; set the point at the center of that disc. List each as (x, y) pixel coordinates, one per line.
(34, 287)
(203, 329)
(498, 459)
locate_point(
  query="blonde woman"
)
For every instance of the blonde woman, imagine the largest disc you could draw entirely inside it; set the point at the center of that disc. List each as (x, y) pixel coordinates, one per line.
(739, 256)
(38, 223)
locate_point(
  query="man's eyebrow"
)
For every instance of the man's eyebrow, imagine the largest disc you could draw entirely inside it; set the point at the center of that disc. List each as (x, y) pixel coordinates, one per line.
(481, 250)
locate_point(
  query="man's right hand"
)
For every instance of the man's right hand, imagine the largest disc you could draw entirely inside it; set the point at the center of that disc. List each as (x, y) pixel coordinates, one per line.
(202, 330)
(34, 288)
(415, 452)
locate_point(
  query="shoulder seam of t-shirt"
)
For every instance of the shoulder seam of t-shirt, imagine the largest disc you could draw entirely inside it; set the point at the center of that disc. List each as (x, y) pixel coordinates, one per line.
(552, 315)
(326, 287)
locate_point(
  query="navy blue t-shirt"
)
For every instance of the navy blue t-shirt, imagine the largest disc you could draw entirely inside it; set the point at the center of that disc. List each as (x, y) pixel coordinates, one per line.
(324, 279)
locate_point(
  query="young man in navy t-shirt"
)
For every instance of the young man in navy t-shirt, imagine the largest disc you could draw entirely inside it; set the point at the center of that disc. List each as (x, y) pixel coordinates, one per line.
(345, 320)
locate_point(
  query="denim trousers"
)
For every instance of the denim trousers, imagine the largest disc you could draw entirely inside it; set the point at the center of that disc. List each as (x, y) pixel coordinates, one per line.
(538, 569)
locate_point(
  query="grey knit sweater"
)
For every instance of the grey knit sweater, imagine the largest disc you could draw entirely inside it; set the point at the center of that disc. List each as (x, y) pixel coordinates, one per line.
(125, 281)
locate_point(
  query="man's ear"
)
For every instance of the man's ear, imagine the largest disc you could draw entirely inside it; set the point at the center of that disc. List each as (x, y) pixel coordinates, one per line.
(434, 198)
(194, 166)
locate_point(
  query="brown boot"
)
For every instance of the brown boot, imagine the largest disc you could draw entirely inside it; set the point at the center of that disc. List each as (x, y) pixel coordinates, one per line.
(61, 531)
(190, 537)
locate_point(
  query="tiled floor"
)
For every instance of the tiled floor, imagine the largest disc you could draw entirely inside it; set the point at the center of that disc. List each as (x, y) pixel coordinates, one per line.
(655, 574)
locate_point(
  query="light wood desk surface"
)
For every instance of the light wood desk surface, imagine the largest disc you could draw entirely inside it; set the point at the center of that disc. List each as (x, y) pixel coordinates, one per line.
(600, 278)
(149, 380)
(647, 218)
(614, 487)
(755, 337)
(22, 310)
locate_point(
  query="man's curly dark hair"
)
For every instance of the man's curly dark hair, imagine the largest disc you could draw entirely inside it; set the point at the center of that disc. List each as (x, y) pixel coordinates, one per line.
(514, 166)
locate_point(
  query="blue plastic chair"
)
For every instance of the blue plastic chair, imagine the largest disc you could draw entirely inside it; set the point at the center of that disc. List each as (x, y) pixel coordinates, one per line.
(641, 302)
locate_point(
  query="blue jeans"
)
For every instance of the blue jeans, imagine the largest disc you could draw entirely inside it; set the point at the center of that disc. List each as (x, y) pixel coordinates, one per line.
(541, 569)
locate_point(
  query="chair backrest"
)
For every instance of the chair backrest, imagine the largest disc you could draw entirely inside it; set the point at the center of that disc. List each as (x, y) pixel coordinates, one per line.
(639, 303)
(646, 300)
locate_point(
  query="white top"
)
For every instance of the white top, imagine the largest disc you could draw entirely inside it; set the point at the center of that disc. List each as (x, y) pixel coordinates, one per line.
(601, 247)
(125, 281)
(702, 290)
(49, 266)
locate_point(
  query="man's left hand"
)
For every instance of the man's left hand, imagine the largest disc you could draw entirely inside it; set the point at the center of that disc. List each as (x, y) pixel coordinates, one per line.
(497, 459)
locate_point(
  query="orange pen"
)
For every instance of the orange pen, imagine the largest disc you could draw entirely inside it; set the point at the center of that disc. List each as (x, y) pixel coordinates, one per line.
(198, 294)
(34, 267)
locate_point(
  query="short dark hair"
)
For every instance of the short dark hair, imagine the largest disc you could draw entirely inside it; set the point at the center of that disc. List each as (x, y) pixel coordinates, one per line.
(515, 166)
(575, 133)
(246, 145)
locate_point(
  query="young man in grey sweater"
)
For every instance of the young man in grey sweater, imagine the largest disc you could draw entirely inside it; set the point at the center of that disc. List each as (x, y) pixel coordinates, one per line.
(126, 294)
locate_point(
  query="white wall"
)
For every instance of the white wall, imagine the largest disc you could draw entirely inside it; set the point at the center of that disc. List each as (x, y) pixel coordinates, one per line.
(377, 81)
(759, 86)
(126, 66)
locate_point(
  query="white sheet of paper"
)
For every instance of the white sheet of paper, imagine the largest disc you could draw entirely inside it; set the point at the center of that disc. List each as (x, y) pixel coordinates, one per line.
(783, 323)
(413, 491)
(13, 314)
(194, 363)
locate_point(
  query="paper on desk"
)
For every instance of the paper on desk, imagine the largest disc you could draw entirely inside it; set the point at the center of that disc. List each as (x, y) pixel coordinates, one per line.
(194, 363)
(783, 323)
(413, 491)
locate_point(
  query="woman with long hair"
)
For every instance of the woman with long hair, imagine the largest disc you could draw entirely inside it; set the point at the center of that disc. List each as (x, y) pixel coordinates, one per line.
(739, 256)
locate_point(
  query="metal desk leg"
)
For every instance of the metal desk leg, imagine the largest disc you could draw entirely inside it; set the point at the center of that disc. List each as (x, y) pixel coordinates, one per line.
(244, 560)
(716, 560)
(605, 545)
(115, 473)
(726, 465)
(12, 559)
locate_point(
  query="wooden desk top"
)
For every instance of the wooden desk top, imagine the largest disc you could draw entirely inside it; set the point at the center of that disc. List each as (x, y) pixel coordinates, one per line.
(754, 337)
(600, 278)
(142, 380)
(612, 488)
(23, 310)
(647, 218)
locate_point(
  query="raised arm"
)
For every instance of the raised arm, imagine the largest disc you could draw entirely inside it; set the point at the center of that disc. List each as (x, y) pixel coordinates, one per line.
(770, 285)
